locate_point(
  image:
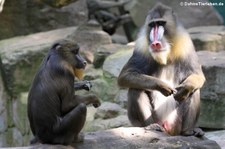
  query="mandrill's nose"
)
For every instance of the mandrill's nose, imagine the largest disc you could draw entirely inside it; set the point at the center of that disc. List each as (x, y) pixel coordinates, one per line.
(156, 46)
(85, 63)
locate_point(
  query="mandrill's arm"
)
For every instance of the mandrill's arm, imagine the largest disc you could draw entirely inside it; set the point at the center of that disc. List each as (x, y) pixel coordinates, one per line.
(188, 86)
(193, 82)
(133, 76)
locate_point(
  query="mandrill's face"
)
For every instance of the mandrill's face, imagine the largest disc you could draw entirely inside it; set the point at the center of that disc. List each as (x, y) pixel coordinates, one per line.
(159, 46)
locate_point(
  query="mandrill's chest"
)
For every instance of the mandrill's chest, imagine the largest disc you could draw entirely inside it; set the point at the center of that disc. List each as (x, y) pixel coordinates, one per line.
(169, 74)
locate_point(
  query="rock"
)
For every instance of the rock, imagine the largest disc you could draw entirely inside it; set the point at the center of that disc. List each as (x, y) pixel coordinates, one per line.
(218, 136)
(20, 59)
(188, 15)
(20, 114)
(213, 91)
(120, 39)
(58, 3)
(26, 17)
(91, 73)
(104, 51)
(90, 37)
(104, 124)
(22, 56)
(115, 62)
(134, 137)
(108, 110)
(112, 67)
(101, 89)
(121, 98)
(3, 108)
(208, 38)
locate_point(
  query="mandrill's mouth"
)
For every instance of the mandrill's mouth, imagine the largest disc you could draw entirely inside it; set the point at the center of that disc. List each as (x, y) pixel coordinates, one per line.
(157, 50)
(79, 73)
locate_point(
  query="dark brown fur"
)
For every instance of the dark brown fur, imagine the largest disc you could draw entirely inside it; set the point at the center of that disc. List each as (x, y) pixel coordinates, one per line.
(56, 114)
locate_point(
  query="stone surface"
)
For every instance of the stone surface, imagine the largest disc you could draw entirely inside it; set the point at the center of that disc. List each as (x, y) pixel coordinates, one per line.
(189, 15)
(108, 110)
(218, 136)
(58, 3)
(115, 62)
(104, 51)
(3, 108)
(133, 137)
(23, 55)
(208, 38)
(104, 124)
(90, 37)
(213, 91)
(121, 98)
(26, 17)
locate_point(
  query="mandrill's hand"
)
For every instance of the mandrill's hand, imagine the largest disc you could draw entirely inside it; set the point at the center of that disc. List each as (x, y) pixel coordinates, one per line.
(95, 101)
(165, 89)
(86, 85)
(183, 92)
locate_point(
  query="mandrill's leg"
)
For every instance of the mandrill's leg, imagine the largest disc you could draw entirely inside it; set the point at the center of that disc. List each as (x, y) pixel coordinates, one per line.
(139, 108)
(67, 128)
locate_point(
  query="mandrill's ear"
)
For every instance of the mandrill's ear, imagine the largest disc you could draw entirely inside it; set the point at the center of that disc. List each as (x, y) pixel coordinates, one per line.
(56, 46)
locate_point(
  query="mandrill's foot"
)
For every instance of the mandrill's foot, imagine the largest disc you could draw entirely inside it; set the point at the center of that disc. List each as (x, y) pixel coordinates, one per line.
(198, 132)
(155, 126)
(79, 138)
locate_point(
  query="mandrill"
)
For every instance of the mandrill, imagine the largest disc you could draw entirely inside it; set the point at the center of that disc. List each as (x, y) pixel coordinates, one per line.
(164, 76)
(55, 113)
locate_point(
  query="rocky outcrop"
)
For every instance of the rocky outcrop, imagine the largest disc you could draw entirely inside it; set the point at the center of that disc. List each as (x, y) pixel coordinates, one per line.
(188, 12)
(212, 94)
(21, 57)
(26, 17)
(58, 3)
(208, 38)
(133, 137)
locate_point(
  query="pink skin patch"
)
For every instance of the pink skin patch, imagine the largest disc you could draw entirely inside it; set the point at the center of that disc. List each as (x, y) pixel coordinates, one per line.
(155, 38)
(165, 125)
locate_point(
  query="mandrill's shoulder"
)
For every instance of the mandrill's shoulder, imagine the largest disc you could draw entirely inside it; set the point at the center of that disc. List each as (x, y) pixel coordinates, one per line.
(141, 62)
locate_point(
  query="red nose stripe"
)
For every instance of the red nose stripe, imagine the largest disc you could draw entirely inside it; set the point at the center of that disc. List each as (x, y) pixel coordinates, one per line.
(155, 33)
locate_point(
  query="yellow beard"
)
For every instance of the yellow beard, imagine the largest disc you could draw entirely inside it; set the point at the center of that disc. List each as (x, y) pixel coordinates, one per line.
(79, 73)
(161, 57)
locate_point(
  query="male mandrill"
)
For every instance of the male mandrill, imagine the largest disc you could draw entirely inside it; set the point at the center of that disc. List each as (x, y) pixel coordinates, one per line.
(163, 76)
(56, 114)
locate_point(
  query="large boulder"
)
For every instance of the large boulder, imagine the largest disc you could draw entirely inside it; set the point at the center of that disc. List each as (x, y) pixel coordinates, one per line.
(20, 59)
(58, 3)
(23, 55)
(3, 108)
(134, 137)
(31, 16)
(213, 91)
(189, 13)
(90, 37)
(208, 38)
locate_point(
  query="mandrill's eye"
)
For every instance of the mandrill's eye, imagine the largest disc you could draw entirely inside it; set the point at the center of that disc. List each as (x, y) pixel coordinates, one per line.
(75, 50)
(161, 23)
